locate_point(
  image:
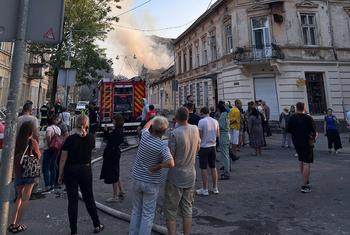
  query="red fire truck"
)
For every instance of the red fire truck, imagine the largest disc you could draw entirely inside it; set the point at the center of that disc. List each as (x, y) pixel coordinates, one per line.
(124, 97)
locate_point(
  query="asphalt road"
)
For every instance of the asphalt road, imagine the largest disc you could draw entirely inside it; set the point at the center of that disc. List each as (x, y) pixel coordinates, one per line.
(262, 197)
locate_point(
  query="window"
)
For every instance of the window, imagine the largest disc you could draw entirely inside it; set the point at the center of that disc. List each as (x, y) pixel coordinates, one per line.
(197, 63)
(261, 37)
(228, 37)
(190, 58)
(316, 93)
(181, 101)
(198, 94)
(2, 46)
(260, 32)
(179, 62)
(308, 25)
(185, 92)
(213, 48)
(204, 52)
(192, 89)
(185, 61)
(206, 94)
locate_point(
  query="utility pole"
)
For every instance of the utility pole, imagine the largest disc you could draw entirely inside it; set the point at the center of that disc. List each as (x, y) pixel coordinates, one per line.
(11, 115)
(67, 66)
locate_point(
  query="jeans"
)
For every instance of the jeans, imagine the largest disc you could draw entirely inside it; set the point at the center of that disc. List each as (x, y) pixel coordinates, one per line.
(144, 204)
(49, 167)
(225, 151)
(287, 140)
(79, 176)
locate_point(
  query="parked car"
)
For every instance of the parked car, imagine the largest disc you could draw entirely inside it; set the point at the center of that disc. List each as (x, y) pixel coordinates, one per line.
(81, 105)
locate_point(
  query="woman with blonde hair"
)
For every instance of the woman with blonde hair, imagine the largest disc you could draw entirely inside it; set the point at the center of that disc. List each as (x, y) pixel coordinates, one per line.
(75, 171)
(25, 145)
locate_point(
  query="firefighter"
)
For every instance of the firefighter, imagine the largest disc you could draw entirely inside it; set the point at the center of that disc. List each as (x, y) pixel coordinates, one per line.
(44, 114)
(93, 116)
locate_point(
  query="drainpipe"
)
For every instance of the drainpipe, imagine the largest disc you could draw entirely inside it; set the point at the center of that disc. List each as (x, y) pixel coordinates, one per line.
(335, 56)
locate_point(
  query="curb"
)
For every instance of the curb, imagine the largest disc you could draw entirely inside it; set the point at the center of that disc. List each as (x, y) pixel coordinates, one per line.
(118, 214)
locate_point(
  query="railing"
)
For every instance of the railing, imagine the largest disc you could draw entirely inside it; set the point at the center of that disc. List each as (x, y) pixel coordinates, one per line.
(258, 53)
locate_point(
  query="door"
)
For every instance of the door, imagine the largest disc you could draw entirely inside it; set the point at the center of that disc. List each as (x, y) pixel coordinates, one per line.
(265, 89)
(261, 37)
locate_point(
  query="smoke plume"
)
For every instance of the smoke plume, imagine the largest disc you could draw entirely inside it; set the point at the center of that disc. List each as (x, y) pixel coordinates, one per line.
(126, 43)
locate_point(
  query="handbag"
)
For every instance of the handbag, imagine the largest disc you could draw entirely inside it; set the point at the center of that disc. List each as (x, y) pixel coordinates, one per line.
(30, 165)
(56, 142)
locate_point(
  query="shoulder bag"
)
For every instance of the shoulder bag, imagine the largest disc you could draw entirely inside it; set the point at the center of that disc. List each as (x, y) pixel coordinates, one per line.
(30, 164)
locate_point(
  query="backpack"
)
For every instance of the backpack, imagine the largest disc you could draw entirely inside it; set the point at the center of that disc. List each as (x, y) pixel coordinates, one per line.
(56, 142)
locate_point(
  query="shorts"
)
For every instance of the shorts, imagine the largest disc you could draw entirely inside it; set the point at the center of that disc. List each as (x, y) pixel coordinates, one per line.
(207, 156)
(234, 134)
(178, 200)
(305, 154)
(24, 181)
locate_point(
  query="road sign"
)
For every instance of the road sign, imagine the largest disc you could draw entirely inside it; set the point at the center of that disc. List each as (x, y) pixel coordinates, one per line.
(45, 20)
(68, 74)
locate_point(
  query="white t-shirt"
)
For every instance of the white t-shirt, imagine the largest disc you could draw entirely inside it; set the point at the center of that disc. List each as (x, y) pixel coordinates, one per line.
(65, 117)
(51, 131)
(209, 128)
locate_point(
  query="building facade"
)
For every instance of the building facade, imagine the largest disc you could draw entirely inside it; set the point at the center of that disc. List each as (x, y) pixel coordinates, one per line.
(162, 91)
(35, 82)
(280, 51)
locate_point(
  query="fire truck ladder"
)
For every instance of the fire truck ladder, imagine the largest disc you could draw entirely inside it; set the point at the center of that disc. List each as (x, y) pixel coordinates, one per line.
(107, 101)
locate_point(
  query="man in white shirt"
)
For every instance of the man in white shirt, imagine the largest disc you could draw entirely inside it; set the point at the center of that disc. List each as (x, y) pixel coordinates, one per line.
(65, 117)
(209, 131)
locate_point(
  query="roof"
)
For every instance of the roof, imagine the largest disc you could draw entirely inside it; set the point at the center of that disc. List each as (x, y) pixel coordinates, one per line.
(200, 20)
(165, 76)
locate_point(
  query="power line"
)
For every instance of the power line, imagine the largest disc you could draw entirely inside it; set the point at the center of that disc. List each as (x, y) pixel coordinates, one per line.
(154, 30)
(132, 68)
(132, 9)
(160, 29)
(209, 4)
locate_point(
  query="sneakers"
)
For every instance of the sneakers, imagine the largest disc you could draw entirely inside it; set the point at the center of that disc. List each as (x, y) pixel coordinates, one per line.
(202, 192)
(329, 151)
(305, 189)
(337, 152)
(215, 191)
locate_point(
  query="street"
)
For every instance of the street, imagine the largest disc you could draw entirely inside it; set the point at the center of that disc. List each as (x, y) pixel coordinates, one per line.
(262, 197)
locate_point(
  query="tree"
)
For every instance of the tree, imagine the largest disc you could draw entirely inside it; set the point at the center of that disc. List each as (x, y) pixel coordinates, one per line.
(88, 20)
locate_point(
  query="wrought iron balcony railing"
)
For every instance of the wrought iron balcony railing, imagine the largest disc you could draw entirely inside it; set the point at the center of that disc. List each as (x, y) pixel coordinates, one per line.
(258, 53)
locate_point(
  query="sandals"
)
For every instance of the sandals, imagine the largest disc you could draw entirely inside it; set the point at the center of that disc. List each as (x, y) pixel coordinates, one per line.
(99, 228)
(17, 228)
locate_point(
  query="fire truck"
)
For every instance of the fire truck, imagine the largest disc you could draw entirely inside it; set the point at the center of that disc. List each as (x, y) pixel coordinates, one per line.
(123, 97)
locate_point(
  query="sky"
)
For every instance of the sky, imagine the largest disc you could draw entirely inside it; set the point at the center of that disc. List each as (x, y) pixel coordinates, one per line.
(155, 14)
(169, 13)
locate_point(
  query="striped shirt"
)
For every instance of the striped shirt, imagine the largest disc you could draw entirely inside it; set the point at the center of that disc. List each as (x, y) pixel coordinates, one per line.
(151, 151)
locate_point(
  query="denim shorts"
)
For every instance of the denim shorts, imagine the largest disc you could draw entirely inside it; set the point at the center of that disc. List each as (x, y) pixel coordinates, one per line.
(24, 181)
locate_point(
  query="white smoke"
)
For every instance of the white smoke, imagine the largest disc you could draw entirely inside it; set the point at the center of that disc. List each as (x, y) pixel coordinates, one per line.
(126, 43)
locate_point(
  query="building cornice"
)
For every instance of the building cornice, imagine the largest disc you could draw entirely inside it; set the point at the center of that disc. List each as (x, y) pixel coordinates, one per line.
(307, 4)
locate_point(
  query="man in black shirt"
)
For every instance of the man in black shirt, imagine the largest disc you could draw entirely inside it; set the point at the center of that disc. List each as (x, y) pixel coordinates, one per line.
(302, 128)
(93, 117)
(193, 118)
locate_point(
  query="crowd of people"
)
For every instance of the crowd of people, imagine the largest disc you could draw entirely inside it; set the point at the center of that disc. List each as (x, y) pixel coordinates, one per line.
(67, 155)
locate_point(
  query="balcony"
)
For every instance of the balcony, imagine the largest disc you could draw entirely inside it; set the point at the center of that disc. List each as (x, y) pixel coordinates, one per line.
(257, 54)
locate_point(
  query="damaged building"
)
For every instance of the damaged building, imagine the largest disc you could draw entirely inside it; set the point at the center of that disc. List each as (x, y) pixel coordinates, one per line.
(281, 51)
